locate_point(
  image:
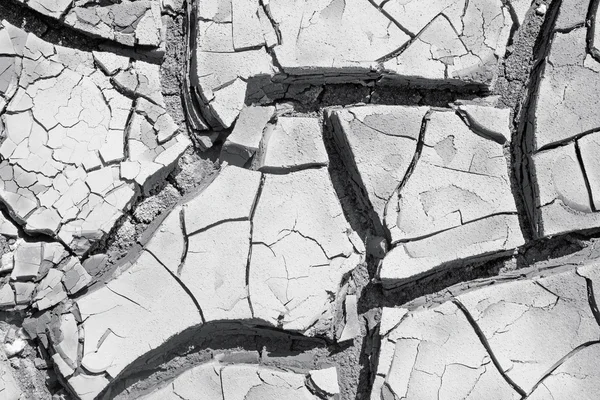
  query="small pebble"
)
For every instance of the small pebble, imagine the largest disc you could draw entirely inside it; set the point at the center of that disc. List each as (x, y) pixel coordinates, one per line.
(541, 10)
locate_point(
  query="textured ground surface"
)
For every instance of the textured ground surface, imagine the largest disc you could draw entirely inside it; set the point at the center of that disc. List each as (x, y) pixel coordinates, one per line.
(299, 199)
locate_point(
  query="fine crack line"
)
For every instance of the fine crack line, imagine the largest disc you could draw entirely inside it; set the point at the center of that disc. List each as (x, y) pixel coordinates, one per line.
(417, 238)
(390, 18)
(567, 141)
(183, 286)
(215, 224)
(252, 212)
(558, 364)
(479, 129)
(591, 30)
(487, 347)
(126, 298)
(186, 241)
(591, 297)
(411, 167)
(267, 9)
(585, 176)
(524, 127)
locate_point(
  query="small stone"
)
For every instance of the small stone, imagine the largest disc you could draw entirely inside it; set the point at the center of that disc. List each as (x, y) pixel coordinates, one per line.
(15, 348)
(7, 296)
(541, 10)
(326, 380)
(7, 262)
(352, 326)
(24, 292)
(377, 246)
(95, 363)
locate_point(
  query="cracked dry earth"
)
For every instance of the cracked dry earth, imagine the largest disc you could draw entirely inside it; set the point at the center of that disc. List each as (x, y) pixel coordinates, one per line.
(299, 199)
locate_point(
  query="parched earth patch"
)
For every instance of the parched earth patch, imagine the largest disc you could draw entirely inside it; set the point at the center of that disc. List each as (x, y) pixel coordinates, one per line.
(341, 199)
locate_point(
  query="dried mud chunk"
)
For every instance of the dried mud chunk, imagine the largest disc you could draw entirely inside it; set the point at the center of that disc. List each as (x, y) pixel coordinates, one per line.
(67, 170)
(504, 320)
(460, 177)
(435, 351)
(51, 8)
(438, 54)
(511, 316)
(492, 236)
(7, 296)
(300, 250)
(348, 35)
(243, 142)
(230, 196)
(215, 270)
(572, 13)
(292, 143)
(130, 22)
(576, 378)
(245, 44)
(128, 317)
(377, 144)
(50, 290)
(214, 381)
(430, 176)
(563, 198)
(568, 92)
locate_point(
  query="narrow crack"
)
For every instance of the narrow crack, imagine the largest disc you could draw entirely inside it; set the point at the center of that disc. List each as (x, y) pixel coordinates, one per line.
(126, 298)
(479, 129)
(275, 25)
(558, 364)
(591, 30)
(568, 140)
(524, 125)
(390, 18)
(411, 167)
(252, 212)
(591, 297)
(186, 241)
(183, 286)
(215, 224)
(417, 238)
(585, 177)
(487, 347)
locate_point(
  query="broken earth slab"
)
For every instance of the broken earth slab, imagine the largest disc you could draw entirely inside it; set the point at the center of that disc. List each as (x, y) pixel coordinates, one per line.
(290, 144)
(75, 154)
(243, 142)
(275, 144)
(502, 319)
(511, 315)
(302, 250)
(129, 22)
(248, 52)
(563, 138)
(568, 91)
(117, 323)
(459, 177)
(484, 239)
(235, 251)
(431, 175)
(42, 274)
(564, 202)
(218, 381)
(377, 145)
(576, 378)
(434, 353)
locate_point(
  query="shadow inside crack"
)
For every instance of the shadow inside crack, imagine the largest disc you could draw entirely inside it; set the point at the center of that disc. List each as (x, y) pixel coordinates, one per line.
(229, 341)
